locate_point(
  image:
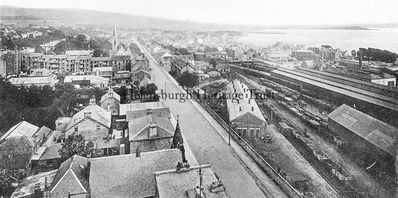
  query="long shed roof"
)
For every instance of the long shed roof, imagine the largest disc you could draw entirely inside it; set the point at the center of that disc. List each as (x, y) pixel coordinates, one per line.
(374, 131)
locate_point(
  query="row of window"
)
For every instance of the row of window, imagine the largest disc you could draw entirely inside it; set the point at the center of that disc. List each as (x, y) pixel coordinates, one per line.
(248, 132)
(77, 128)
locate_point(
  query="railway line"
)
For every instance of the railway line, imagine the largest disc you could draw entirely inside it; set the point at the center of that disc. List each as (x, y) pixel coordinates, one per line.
(325, 85)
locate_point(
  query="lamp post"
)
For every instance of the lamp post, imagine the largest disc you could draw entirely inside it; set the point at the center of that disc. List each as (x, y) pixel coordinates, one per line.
(229, 134)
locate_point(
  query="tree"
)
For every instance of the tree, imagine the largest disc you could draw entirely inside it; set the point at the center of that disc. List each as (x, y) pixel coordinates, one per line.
(76, 145)
(189, 79)
(149, 92)
(213, 62)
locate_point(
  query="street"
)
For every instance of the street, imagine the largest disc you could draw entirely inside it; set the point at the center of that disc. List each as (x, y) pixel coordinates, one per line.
(208, 141)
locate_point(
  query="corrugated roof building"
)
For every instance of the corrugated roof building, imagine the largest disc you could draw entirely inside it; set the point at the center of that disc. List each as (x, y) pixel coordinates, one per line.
(363, 131)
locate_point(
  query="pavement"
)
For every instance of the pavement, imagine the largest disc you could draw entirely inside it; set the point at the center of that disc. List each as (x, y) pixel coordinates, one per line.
(209, 143)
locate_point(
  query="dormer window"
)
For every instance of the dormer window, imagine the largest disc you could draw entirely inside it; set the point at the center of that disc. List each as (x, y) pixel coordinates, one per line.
(153, 130)
(87, 114)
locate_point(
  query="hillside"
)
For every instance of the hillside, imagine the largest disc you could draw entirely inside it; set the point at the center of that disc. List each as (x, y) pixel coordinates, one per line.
(56, 17)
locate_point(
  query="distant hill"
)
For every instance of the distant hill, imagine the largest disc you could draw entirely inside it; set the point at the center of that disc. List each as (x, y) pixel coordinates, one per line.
(89, 17)
(55, 17)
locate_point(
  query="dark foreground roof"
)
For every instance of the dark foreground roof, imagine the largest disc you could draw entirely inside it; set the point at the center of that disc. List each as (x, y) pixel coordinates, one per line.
(128, 175)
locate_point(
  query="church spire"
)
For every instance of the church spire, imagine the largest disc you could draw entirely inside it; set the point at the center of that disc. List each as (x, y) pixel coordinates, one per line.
(114, 39)
(177, 139)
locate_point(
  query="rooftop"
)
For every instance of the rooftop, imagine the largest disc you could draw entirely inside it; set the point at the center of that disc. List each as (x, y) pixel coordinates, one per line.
(243, 105)
(34, 80)
(110, 94)
(91, 78)
(128, 175)
(28, 185)
(51, 152)
(374, 131)
(76, 166)
(21, 129)
(173, 184)
(139, 128)
(93, 112)
(140, 106)
(79, 53)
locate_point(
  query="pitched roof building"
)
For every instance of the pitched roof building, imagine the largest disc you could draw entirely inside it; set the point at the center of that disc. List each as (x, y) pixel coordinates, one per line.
(363, 130)
(71, 178)
(111, 101)
(244, 114)
(93, 122)
(150, 129)
(20, 143)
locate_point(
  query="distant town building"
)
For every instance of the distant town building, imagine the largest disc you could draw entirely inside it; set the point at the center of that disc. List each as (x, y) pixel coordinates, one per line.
(303, 55)
(87, 81)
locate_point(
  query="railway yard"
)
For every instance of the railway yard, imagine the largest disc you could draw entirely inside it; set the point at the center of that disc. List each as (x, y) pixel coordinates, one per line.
(319, 148)
(301, 116)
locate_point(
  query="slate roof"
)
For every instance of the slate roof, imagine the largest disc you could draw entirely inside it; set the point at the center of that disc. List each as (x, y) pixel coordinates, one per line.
(98, 114)
(123, 108)
(21, 129)
(165, 111)
(172, 184)
(51, 152)
(372, 130)
(75, 166)
(246, 104)
(128, 175)
(27, 186)
(79, 53)
(139, 127)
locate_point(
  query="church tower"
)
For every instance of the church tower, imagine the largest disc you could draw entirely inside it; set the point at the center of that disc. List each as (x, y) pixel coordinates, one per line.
(114, 40)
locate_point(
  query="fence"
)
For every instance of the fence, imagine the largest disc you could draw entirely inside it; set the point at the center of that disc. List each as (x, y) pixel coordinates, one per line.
(256, 157)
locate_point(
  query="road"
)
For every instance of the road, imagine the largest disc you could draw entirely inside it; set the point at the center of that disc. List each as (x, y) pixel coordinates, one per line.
(208, 141)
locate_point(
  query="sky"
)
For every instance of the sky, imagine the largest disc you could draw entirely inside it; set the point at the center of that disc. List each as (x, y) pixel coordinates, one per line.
(241, 12)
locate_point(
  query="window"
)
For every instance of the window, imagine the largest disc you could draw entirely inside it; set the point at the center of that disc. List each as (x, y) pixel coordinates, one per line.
(76, 129)
(243, 132)
(98, 127)
(252, 133)
(257, 132)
